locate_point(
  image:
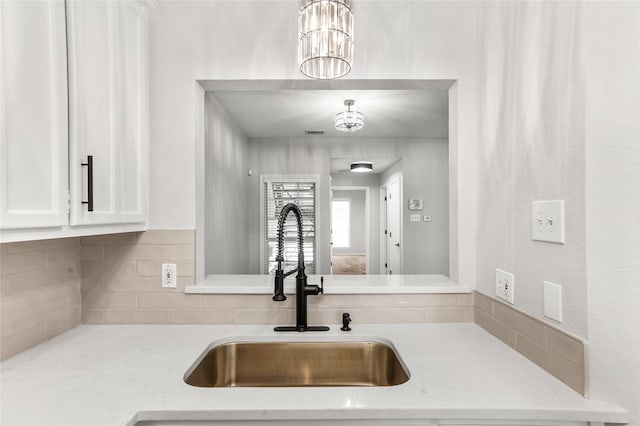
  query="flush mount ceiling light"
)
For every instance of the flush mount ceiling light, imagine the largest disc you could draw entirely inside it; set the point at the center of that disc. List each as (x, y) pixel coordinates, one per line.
(361, 166)
(349, 121)
(325, 44)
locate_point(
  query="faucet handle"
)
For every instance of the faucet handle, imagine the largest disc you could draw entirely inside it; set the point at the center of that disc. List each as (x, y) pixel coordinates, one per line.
(321, 289)
(278, 287)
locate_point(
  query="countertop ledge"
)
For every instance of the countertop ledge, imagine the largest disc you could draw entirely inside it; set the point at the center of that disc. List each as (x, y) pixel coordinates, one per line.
(124, 374)
(333, 284)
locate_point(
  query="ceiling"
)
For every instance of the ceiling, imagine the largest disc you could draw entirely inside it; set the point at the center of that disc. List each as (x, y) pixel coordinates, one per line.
(414, 113)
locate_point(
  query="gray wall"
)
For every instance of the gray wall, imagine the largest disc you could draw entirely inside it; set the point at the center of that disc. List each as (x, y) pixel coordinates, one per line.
(357, 221)
(425, 174)
(425, 170)
(226, 152)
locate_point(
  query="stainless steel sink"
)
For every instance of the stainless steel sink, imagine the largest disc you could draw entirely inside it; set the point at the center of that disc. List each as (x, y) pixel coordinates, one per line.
(334, 363)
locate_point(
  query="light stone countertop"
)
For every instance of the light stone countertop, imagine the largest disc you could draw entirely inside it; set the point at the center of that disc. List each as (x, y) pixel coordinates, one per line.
(333, 284)
(114, 375)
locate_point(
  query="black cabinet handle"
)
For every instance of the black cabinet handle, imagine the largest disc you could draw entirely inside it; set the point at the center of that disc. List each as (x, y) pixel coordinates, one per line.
(89, 165)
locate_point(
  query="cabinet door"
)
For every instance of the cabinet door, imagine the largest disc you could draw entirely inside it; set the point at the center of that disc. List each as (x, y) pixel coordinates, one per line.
(33, 115)
(108, 110)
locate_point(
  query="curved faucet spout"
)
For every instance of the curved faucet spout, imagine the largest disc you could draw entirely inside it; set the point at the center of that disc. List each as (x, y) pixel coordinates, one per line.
(291, 207)
(278, 291)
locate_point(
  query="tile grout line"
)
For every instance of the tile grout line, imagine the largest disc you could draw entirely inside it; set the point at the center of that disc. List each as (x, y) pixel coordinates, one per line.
(545, 346)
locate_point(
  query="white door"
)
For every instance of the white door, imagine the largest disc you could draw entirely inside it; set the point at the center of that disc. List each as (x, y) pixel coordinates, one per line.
(393, 226)
(107, 110)
(33, 115)
(331, 230)
(384, 232)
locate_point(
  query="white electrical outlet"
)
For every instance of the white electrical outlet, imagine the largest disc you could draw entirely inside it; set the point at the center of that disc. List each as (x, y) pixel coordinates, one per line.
(169, 275)
(553, 301)
(505, 286)
(547, 221)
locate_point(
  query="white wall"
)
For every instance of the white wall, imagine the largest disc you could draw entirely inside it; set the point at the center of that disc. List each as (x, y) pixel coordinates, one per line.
(257, 40)
(226, 194)
(559, 117)
(611, 34)
(530, 146)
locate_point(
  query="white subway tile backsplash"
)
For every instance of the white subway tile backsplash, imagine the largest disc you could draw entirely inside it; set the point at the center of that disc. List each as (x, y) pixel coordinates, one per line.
(12, 263)
(21, 341)
(449, 314)
(565, 346)
(202, 316)
(168, 236)
(92, 253)
(92, 316)
(152, 268)
(169, 300)
(562, 355)
(104, 299)
(148, 250)
(63, 255)
(39, 292)
(136, 316)
(264, 316)
(60, 325)
(115, 279)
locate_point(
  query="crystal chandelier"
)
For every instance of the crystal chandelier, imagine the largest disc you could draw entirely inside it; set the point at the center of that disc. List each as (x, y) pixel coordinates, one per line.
(325, 45)
(349, 121)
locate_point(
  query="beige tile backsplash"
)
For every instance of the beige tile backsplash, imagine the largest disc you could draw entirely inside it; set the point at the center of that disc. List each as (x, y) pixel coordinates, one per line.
(50, 286)
(39, 292)
(562, 355)
(121, 284)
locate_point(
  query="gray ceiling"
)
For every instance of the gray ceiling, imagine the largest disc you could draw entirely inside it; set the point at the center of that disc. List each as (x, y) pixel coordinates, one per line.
(414, 113)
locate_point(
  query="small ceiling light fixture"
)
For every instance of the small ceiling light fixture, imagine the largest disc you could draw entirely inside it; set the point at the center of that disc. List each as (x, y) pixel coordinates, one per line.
(349, 121)
(325, 44)
(361, 166)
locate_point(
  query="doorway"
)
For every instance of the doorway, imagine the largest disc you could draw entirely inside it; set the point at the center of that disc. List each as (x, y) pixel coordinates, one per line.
(390, 213)
(350, 230)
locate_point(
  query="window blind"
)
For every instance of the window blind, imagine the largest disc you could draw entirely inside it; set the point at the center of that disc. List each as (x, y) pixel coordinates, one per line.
(278, 193)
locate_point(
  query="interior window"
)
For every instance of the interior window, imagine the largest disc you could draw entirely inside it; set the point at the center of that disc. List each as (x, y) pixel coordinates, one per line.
(278, 193)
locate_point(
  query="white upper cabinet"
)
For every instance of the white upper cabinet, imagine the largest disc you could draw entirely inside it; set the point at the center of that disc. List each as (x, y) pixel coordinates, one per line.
(73, 84)
(107, 48)
(33, 115)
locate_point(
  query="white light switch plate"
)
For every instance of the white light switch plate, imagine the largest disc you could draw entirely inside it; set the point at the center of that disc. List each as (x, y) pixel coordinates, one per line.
(505, 286)
(415, 218)
(547, 221)
(169, 275)
(553, 301)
